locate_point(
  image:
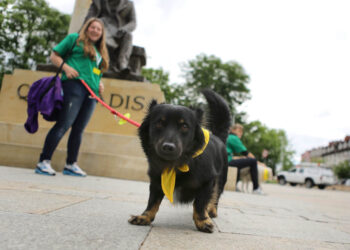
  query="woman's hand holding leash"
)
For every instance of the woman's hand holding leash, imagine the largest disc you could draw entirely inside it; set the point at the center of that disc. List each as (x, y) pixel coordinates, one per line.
(57, 60)
(70, 72)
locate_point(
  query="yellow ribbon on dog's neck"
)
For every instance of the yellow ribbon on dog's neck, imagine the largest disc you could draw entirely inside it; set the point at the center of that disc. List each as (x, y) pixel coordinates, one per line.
(168, 177)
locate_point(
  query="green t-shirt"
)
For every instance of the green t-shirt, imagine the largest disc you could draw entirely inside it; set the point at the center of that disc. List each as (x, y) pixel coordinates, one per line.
(81, 63)
(234, 146)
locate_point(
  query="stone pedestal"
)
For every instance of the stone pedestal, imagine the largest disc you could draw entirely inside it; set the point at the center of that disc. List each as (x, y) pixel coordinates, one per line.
(108, 149)
(124, 96)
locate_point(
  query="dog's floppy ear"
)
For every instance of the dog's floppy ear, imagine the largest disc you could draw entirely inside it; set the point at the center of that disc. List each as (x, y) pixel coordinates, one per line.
(144, 128)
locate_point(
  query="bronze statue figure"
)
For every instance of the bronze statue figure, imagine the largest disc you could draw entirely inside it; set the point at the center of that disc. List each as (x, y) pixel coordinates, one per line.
(120, 21)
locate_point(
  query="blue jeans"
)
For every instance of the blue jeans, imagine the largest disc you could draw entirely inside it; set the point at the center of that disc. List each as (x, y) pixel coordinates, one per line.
(76, 112)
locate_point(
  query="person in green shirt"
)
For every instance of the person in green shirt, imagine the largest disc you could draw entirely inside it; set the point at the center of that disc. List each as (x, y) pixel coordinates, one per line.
(87, 60)
(239, 157)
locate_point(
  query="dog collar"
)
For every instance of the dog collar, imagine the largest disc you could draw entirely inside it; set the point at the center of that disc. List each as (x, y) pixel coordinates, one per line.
(168, 177)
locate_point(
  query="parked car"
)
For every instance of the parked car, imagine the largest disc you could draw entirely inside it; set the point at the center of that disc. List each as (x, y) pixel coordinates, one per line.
(310, 176)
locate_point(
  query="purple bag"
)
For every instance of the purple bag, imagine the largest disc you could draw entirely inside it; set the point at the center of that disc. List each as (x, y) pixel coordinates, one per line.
(45, 96)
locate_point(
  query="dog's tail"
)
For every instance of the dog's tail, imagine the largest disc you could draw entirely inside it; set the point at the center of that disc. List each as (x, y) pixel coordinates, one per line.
(219, 118)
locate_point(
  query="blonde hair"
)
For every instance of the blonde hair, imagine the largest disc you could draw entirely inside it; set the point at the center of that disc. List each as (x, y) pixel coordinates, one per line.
(100, 44)
(237, 126)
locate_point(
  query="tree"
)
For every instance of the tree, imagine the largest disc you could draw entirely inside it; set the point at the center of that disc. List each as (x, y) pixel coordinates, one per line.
(342, 170)
(29, 30)
(4, 6)
(258, 137)
(228, 79)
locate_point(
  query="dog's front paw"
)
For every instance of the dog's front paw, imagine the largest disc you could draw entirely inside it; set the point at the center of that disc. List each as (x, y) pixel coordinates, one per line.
(206, 225)
(140, 220)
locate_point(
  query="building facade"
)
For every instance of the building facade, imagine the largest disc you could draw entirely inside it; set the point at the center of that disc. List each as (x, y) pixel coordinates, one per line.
(331, 155)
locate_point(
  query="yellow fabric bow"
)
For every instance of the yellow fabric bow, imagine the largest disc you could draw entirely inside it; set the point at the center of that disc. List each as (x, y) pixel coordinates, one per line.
(168, 177)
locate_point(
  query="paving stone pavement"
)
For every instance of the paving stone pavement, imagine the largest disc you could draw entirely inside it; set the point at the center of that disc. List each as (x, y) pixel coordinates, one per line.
(63, 212)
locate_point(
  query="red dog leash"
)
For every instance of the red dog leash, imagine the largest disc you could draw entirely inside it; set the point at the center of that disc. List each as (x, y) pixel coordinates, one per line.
(113, 111)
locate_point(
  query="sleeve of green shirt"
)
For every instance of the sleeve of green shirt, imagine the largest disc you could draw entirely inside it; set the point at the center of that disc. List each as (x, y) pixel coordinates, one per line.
(234, 146)
(66, 44)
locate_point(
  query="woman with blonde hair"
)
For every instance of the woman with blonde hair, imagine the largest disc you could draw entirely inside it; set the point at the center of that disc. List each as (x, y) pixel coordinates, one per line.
(86, 58)
(234, 148)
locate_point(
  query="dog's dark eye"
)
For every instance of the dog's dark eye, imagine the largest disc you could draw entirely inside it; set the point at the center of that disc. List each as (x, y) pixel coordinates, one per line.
(184, 127)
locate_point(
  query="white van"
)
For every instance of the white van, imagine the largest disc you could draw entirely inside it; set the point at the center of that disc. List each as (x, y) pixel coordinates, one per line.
(309, 176)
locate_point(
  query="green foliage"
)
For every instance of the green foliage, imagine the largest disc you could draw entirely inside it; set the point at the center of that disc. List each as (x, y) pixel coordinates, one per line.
(258, 137)
(4, 6)
(226, 78)
(342, 170)
(29, 29)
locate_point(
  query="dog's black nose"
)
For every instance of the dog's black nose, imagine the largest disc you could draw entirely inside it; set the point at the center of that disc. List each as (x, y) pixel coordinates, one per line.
(168, 147)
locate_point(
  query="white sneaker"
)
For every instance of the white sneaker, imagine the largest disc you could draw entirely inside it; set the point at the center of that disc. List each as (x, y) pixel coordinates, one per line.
(258, 191)
(74, 170)
(44, 167)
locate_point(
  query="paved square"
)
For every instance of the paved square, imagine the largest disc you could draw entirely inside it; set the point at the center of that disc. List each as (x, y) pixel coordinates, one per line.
(63, 212)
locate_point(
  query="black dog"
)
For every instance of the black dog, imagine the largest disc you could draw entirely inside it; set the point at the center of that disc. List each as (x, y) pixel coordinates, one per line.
(175, 143)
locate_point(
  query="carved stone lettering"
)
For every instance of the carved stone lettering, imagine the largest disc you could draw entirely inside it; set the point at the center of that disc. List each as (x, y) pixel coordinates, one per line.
(116, 101)
(136, 103)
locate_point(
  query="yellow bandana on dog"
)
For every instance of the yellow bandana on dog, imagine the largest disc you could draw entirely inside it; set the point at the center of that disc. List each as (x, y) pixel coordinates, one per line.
(169, 174)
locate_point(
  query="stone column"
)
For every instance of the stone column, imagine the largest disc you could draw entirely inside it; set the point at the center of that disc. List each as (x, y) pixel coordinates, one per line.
(80, 10)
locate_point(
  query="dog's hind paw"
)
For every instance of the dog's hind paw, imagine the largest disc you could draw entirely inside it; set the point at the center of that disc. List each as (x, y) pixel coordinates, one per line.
(140, 220)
